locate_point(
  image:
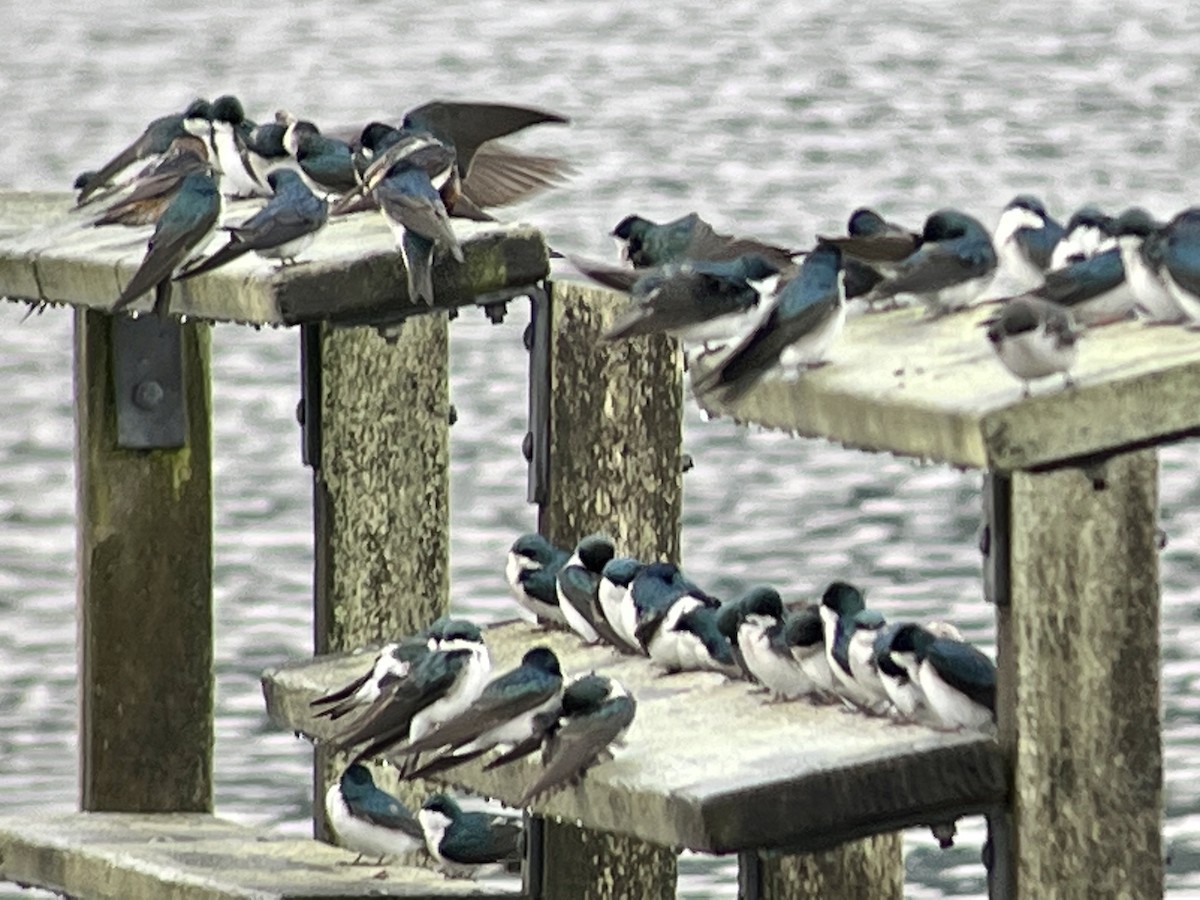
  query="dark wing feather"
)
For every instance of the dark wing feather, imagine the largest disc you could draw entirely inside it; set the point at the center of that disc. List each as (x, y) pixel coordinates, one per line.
(965, 668)
(579, 744)
(500, 176)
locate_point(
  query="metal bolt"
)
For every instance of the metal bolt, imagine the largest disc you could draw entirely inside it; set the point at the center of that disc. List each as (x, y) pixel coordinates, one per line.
(452, 414)
(300, 411)
(527, 338)
(148, 394)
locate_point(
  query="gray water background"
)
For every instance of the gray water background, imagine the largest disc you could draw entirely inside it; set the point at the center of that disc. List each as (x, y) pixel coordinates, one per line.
(771, 118)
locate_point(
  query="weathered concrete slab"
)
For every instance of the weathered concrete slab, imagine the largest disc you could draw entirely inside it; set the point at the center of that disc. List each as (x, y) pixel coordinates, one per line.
(710, 766)
(934, 390)
(352, 272)
(192, 856)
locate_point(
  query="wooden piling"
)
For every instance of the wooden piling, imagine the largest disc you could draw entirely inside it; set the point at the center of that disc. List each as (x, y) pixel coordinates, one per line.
(1079, 663)
(616, 419)
(380, 492)
(144, 526)
(871, 867)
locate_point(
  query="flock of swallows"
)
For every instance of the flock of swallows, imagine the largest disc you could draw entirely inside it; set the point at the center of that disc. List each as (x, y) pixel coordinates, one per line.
(686, 279)
(426, 702)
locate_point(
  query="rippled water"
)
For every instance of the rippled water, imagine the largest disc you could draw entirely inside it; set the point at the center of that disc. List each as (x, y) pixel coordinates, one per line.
(768, 117)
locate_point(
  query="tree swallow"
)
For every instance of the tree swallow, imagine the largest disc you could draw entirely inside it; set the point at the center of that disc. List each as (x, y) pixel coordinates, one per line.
(367, 820)
(440, 686)
(144, 198)
(804, 320)
(840, 605)
(182, 231)
(1034, 339)
(1141, 241)
(578, 585)
(155, 140)
(1025, 238)
(613, 594)
(230, 129)
(804, 634)
(700, 645)
(596, 713)
(646, 244)
(959, 681)
(505, 713)
(698, 302)
(1180, 265)
(860, 654)
(873, 240)
(661, 595)
(951, 268)
(327, 163)
(763, 646)
(531, 572)
(463, 841)
(1092, 287)
(1088, 232)
(281, 230)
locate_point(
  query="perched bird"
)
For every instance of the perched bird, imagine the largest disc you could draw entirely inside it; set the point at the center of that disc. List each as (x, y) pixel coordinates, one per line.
(596, 712)
(1034, 338)
(1180, 265)
(1025, 238)
(282, 229)
(1092, 287)
(871, 239)
(578, 586)
(840, 605)
(613, 593)
(660, 596)
(646, 244)
(700, 645)
(154, 141)
(265, 149)
(860, 654)
(959, 681)
(1089, 231)
(1140, 239)
(439, 687)
(762, 642)
(230, 131)
(367, 820)
(804, 320)
(804, 635)
(463, 841)
(953, 265)
(531, 571)
(504, 713)
(144, 198)
(896, 662)
(326, 162)
(699, 302)
(183, 230)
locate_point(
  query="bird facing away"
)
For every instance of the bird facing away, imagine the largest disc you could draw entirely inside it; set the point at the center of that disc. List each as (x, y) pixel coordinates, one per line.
(1034, 339)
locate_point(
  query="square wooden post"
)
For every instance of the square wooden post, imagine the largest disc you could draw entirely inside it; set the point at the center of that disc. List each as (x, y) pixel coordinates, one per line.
(381, 482)
(144, 526)
(1079, 679)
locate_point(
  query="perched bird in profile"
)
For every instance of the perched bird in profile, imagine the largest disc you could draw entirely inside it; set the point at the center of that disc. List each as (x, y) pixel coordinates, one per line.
(532, 574)
(578, 586)
(1089, 231)
(660, 596)
(504, 713)
(370, 821)
(1180, 261)
(595, 714)
(144, 198)
(326, 163)
(699, 644)
(1092, 287)
(959, 681)
(896, 662)
(230, 131)
(182, 231)
(871, 239)
(953, 265)
(463, 841)
(860, 654)
(1025, 238)
(439, 687)
(804, 320)
(763, 645)
(840, 605)
(613, 593)
(1034, 339)
(1140, 238)
(646, 244)
(699, 302)
(804, 634)
(154, 141)
(282, 229)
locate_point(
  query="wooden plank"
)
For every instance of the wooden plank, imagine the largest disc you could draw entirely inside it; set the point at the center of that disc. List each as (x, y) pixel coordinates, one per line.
(114, 856)
(144, 526)
(710, 766)
(351, 273)
(381, 492)
(1080, 713)
(616, 422)
(933, 390)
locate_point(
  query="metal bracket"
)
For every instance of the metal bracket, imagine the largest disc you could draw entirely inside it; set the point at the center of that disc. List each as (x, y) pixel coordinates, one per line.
(147, 359)
(537, 439)
(995, 541)
(308, 411)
